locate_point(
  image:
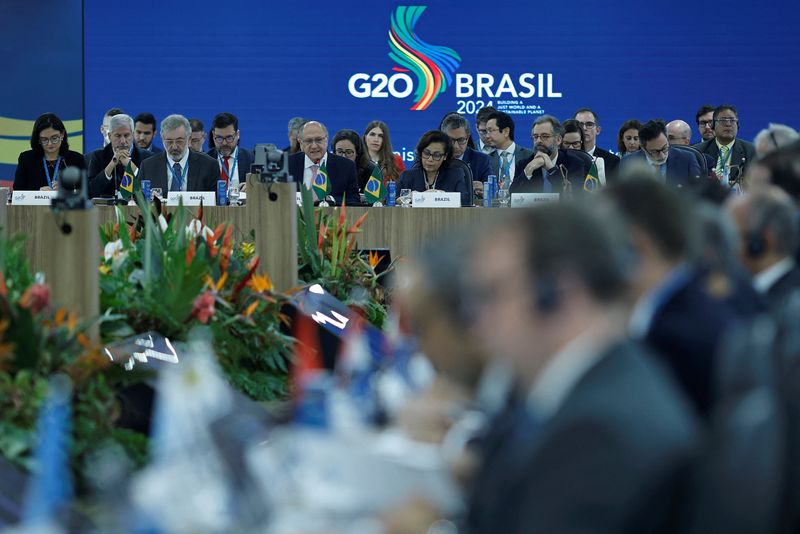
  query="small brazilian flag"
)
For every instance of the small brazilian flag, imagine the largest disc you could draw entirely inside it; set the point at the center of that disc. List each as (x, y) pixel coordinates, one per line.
(592, 182)
(374, 190)
(321, 185)
(129, 183)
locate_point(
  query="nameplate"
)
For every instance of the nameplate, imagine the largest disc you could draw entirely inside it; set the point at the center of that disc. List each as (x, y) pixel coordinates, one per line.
(192, 198)
(522, 200)
(435, 199)
(33, 198)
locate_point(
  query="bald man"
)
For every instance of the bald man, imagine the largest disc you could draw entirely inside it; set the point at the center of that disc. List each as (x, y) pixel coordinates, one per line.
(680, 133)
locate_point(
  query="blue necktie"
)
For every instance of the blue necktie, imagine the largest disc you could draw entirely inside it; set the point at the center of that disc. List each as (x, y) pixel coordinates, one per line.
(546, 181)
(177, 179)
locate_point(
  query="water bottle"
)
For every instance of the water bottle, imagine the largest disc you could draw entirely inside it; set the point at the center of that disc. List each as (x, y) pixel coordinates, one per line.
(492, 179)
(222, 193)
(391, 193)
(488, 194)
(146, 190)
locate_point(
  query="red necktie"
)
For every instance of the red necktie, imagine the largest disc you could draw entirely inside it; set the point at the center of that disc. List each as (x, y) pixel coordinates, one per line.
(224, 172)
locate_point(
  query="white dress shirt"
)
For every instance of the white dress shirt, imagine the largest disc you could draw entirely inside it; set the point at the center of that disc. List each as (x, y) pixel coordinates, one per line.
(764, 280)
(183, 161)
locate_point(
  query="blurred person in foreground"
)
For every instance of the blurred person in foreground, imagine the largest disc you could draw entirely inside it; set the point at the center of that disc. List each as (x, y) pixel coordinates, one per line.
(601, 436)
(773, 137)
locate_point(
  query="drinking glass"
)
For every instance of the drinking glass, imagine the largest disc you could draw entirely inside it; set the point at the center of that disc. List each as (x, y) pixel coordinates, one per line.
(233, 195)
(155, 192)
(405, 198)
(503, 197)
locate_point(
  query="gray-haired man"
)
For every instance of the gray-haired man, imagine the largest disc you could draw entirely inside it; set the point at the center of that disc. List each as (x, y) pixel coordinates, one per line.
(106, 166)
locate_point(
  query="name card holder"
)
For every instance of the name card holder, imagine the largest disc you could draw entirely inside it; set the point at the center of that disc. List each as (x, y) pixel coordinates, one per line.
(33, 198)
(435, 199)
(523, 200)
(192, 198)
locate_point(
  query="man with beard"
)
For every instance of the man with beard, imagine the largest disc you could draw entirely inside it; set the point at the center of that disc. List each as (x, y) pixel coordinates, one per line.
(145, 131)
(731, 154)
(705, 121)
(234, 161)
(178, 168)
(107, 165)
(673, 166)
(550, 169)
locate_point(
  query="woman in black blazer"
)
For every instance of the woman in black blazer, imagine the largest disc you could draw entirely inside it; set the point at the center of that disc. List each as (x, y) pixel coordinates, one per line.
(348, 144)
(38, 168)
(432, 171)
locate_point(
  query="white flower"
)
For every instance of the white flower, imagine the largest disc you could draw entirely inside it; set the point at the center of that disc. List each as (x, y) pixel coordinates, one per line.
(196, 228)
(115, 252)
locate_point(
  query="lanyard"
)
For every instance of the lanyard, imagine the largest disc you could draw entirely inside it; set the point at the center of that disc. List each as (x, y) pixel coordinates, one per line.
(47, 171)
(182, 177)
(235, 158)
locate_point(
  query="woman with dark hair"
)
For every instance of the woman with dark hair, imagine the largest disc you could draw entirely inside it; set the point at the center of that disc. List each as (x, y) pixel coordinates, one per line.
(628, 137)
(347, 143)
(573, 135)
(433, 170)
(379, 149)
(38, 168)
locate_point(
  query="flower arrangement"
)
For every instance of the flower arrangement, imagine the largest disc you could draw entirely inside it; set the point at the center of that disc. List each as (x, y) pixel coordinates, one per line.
(328, 255)
(163, 272)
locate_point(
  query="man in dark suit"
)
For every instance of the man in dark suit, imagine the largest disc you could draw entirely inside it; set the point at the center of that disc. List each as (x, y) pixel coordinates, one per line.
(591, 128)
(674, 167)
(581, 450)
(178, 168)
(304, 166)
(457, 128)
(550, 169)
(234, 161)
(107, 165)
(731, 155)
(767, 223)
(678, 313)
(506, 154)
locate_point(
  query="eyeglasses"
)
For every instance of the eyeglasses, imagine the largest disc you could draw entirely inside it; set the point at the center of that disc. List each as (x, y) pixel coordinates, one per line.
(542, 137)
(227, 139)
(54, 140)
(347, 152)
(575, 145)
(705, 124)
(435, 156)
(180, 141)
(663, 150)
(492, 130)
(460, 140)
(482, 131)
(587, 125)
(315, 141)
(726, 120)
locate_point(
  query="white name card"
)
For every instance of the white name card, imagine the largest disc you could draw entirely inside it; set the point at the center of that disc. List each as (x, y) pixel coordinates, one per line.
(192, 198)
(33, 198)
(522, 200)
(435, 199)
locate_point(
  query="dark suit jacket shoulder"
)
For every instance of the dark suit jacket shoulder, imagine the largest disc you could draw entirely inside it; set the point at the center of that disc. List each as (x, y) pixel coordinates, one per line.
(520, 153)
(479, 163)
(30, 174)
(577, 169)
(742, 153)
(682, 166)
(201, 175)
(243, 164)
(782, 289)
(99, 185)
(341, 174)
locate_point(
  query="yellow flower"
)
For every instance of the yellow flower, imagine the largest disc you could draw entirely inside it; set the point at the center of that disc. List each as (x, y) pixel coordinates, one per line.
(374, 259)
(105, 269)
(250, 309)
(248, 249)
(260, 283)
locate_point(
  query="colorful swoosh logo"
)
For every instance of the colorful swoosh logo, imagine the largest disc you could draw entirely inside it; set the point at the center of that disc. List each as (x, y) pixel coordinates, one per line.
(433, 65)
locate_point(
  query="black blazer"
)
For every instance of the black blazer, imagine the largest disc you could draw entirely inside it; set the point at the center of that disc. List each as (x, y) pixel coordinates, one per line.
(779, 292)
(611, 459)
(683, 170)
(99, 185)
(364, 174)
(242, 166)
(341, 174)
(610, 161)
(479, 163)
(577, 170)
(452, 179)
(742, 153)
(202, 175)
(30, 175)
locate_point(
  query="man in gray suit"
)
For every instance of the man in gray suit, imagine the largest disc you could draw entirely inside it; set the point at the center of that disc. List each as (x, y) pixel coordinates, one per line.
(598, 438)
(506, 153)
(178, 168)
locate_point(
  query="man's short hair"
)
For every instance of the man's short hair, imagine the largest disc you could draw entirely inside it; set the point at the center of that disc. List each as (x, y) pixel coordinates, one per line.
(113, 111)
(587, 110)
(172, 122)
(223, 120)
(549, 119)
(454, 121)
(771, 211)
(724, 107)
(197, 125)
(483, 114)
(119, 120)
(324, 128)
(777, 135)
(146, 118)
(295, 124)
(656, 210)
(783, 167)
(572, 239)
(705, 108)
(504, 121)
(651, 130)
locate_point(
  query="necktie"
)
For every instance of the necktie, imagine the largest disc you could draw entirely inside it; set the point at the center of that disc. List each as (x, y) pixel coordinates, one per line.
(314, 170)
(177, 178)
(505, 181)
(724, 152)
(546, 181)
(226, 172)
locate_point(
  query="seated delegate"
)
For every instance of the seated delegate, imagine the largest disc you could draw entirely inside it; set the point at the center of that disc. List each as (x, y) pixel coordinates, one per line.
(39, 167)
(435, 169)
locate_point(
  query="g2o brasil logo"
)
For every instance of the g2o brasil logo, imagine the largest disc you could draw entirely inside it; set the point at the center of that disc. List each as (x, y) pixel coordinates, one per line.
(434, 68)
